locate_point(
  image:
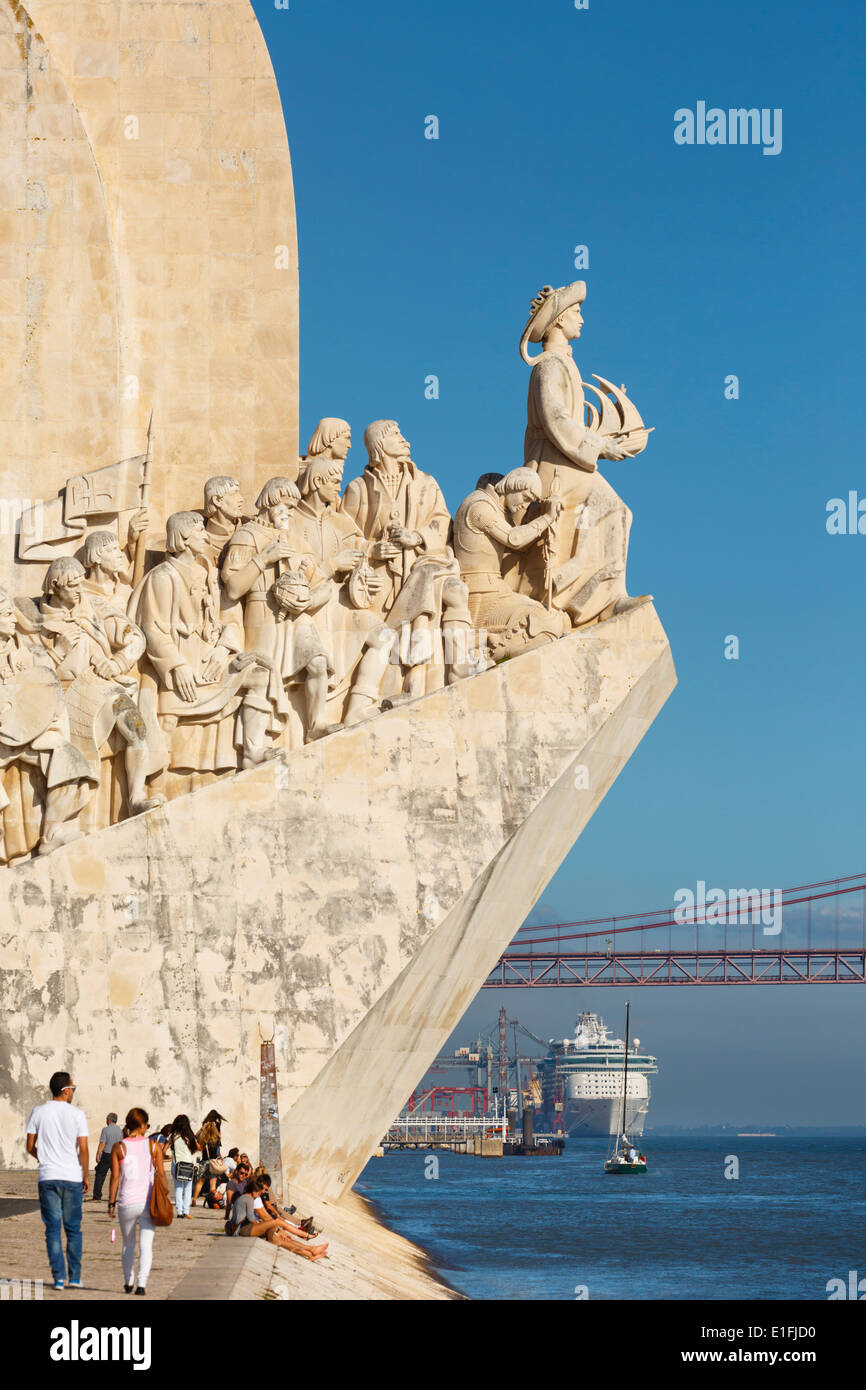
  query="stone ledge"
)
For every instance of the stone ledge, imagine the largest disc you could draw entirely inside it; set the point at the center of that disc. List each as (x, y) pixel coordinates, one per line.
(366, 1261)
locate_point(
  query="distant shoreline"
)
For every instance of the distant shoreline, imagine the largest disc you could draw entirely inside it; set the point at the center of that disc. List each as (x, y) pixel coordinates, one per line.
(753, 1130)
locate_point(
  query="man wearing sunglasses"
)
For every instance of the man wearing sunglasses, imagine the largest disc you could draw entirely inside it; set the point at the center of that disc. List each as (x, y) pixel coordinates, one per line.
(57, 1139)
(235, 1187)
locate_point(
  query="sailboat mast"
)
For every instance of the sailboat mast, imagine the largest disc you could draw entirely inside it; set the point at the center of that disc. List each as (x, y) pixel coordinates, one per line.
(625, 1069)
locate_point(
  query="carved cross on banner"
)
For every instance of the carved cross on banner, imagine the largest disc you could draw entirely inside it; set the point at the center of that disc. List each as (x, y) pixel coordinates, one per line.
(269, 1122)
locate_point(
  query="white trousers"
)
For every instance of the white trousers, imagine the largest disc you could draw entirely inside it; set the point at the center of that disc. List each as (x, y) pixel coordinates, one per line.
(130, 1218)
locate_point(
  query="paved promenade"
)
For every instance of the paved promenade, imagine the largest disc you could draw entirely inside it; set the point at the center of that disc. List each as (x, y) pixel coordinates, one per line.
(194, 1260)
(22, 1245)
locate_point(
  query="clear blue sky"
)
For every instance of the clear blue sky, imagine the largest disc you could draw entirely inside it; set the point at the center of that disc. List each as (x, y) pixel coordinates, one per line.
(421, 256)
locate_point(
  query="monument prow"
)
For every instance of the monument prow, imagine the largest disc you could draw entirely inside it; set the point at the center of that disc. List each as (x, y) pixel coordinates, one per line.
(350, 897)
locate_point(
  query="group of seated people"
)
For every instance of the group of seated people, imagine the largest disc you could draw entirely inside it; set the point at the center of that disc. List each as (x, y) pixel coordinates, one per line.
(231, 1184)
(252, 1211)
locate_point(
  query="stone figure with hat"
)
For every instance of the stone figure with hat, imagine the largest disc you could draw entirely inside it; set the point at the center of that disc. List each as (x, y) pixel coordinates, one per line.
(566, 434)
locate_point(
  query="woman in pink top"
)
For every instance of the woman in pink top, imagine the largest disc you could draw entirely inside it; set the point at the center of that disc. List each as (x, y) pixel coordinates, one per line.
(132, 1163)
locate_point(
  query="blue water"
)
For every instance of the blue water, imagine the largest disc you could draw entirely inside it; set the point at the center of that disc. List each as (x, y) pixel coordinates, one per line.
(517, 1228)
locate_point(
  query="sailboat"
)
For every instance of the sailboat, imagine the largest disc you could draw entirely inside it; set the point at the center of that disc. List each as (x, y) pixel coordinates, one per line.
(617, 1160)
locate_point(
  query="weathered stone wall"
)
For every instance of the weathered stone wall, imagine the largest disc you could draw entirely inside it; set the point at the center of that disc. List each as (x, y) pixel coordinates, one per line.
(146, 186)
(352, 898)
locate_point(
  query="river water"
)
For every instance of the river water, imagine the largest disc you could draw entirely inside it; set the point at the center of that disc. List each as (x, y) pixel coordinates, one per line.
(560, 1228)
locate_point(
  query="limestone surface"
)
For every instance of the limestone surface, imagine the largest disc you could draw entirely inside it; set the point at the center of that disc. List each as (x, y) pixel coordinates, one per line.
(347, 899)
(149, 250)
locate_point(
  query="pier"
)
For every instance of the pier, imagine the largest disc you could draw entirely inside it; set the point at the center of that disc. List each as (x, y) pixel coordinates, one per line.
(483, 1136)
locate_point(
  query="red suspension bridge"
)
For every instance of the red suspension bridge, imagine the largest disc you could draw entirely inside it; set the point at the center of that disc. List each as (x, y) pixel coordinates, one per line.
(814, 933)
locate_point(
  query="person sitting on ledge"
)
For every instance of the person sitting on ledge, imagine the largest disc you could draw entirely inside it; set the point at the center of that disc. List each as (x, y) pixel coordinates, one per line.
(306, 1227)
(236, 1187)
(248, 1219)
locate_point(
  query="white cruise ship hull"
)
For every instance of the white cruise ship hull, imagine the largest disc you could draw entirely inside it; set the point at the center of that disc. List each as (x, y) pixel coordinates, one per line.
(597, 1117)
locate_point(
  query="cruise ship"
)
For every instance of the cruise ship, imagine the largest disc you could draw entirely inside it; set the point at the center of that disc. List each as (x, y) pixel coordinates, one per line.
(581, 1082)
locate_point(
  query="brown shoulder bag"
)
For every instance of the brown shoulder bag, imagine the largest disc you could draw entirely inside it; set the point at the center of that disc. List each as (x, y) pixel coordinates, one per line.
(161, 1210)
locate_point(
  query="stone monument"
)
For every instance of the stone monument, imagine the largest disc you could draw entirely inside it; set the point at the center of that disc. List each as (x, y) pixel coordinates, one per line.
(297, 766)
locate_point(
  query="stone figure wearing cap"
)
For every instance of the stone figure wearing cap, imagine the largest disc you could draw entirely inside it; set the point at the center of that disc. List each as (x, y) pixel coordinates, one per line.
(589, 545)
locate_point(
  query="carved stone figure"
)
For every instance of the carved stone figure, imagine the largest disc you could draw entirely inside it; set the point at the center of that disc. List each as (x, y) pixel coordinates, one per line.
(94, 646)
(224, 512)
(321, 529)
(302, 658)
(590, 543)
(399, 509)
(255, 557)
(105, 565)
(34, 732)
(332, 440)
(201, 681)
(424, 643)
(319, 526)
(489, 530)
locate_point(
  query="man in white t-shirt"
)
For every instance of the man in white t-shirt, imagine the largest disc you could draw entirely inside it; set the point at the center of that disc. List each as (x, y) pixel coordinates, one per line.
(57, 1139)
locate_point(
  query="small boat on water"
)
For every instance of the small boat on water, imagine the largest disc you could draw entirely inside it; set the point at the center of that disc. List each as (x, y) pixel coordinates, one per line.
(624, 1158)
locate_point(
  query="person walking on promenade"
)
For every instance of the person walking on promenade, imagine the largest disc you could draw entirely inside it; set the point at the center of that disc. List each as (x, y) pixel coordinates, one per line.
(57, 1138)
(183, 1146)
(132, 1163)
(107, 1140)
